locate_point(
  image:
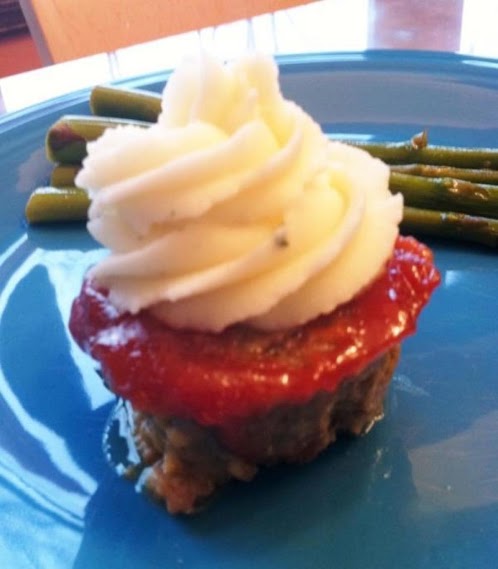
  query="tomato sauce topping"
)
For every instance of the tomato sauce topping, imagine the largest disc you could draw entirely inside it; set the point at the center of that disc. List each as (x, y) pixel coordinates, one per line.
(218, 378)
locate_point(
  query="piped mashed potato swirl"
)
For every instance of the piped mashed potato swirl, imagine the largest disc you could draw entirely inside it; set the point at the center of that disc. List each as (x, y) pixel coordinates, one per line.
(235, 207)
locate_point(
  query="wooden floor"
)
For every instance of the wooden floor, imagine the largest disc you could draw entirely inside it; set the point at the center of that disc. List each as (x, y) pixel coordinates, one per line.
(18, 54)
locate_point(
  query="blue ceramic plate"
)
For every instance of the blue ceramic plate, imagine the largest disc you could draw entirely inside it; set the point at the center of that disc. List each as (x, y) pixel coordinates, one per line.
(421, 490)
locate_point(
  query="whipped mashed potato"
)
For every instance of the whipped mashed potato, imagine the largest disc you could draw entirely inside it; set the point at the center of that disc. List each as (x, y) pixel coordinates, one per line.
(234, 206)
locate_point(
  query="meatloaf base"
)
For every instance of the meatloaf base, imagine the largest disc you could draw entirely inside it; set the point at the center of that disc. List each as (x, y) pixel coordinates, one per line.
(185, 463)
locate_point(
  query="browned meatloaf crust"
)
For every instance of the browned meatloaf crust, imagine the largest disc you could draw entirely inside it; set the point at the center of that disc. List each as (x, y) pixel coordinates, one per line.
(188, 462)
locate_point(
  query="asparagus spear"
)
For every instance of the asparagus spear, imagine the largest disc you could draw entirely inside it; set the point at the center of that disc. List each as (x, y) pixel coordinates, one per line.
(66, 139)
(451, 225)
(446, 194)
(123, 103)
(482, 175)
(49, 205)
(408, 152)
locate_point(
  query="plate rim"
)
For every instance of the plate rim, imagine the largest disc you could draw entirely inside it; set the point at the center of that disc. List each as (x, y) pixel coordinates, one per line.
(288, 64)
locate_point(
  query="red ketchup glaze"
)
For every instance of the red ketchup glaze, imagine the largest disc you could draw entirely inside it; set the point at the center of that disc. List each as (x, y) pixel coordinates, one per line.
(216, 379)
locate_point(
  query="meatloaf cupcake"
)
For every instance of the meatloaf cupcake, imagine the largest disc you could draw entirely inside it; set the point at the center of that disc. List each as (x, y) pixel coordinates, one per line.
(256, 291)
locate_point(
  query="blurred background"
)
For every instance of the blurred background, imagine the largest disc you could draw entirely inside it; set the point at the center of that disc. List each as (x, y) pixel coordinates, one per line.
(462, 26)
